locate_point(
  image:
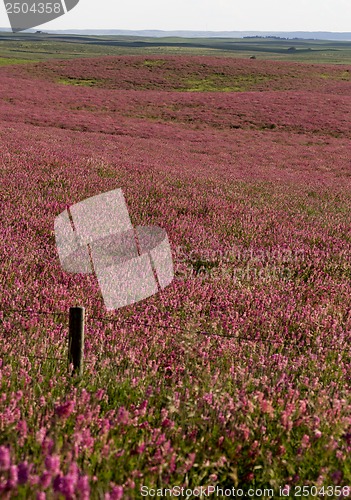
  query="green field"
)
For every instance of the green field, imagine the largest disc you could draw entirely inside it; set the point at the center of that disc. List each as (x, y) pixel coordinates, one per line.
(31, 46)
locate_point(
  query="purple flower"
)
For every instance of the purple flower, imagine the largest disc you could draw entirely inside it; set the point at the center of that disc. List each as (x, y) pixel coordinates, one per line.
(47, 446)
(65, 409)
(337, 477)
(57, 484)
(347, 437)
(23, 472)
(67, 485)
(100, 394)
(45, 479)
(167, 423)
(123, 415)
(83, 487)
(40, 435)
(13, 477)
(5, 459)
(52, 463)
(317, 434)
(115, 494)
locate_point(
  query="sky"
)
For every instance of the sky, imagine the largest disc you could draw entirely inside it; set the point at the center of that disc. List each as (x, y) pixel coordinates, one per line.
(207, 15)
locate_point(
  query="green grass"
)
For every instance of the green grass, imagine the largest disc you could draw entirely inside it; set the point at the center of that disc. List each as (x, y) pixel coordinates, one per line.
(9, 61)
(226, 83)
(154, 62)
(83, 82)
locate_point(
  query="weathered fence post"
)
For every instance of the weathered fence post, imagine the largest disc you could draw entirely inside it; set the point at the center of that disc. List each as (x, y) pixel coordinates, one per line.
(76, 339)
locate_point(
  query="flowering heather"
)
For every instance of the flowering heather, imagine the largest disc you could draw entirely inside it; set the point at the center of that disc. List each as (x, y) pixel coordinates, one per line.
(238, 373)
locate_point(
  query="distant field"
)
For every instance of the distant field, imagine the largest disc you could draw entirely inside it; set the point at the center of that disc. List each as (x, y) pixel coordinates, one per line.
(33, 46)
(201, 74)
(238, 374)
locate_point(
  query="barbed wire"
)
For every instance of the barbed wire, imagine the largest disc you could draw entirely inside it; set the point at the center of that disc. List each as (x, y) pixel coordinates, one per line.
(106, 320)
(198, 332)
(284, 342)
(31, 311)
(115, 321)
(202, 332)
(11, 353)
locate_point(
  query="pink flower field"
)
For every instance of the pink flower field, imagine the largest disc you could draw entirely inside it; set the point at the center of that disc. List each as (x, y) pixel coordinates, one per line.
(238, 374)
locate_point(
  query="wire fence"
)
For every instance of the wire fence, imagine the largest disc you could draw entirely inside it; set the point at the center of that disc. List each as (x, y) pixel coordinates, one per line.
(285, 342)
(26, 312)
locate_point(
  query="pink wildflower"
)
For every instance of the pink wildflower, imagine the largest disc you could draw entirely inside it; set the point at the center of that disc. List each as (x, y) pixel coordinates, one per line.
(167, 423)
(45, 479)
(141, 448)
(305, 441)
(172, 463)
(5, 460)
(23, 472)
(115, 494)
(123, 416)
(65, 409)
(22, 428)
(100, 394)
(52, 464)
(83, 487)
(40, 435)
(13, 477)
(337, 477)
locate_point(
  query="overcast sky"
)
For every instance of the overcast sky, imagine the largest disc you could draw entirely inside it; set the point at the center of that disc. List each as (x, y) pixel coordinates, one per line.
(209, 15)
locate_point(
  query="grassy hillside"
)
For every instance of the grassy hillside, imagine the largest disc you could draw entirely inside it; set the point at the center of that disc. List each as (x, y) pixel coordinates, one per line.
(43, 46)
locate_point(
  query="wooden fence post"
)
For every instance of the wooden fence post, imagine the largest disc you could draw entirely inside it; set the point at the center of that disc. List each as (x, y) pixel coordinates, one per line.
(76, 339)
